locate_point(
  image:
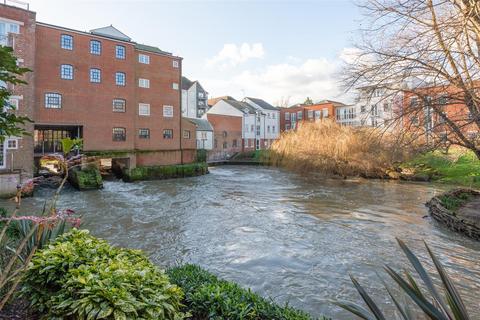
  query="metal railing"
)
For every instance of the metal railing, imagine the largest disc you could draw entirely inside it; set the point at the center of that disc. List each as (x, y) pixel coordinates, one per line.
(17, 3)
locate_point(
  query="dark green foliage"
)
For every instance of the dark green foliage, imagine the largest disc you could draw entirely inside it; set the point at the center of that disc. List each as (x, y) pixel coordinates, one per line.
(87, 178)
(453, 202)
(10, 124)
(207, 297)
(13, 232)
(201, 155)
(82, 277)
(427, 297)
(165, 172)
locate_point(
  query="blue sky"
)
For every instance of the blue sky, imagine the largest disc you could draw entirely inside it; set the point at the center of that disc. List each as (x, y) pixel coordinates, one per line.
(277, 50)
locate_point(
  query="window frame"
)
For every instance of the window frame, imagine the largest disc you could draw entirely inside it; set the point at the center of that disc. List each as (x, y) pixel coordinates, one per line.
(168, 134)
(176, 64)
(175, 86)
(92, 78)
(146, 106)
(186, 134)
(63, 42)
(124, 105)
(49, 95)
(63, 74)
(116, 134)
(93, 49)
(166, 113)
(144, 83)
(117, 51)
(144, 136)
(119, 75)
(143, 61)
(7, 144)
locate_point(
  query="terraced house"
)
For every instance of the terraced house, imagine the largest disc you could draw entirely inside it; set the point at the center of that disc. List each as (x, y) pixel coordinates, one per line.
(119, 96)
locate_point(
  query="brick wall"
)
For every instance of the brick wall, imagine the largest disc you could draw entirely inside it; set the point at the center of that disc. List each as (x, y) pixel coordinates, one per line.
(226, 131)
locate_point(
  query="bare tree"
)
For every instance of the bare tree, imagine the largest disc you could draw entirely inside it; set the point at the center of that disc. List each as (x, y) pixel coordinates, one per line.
(283, 102)
(428, 50)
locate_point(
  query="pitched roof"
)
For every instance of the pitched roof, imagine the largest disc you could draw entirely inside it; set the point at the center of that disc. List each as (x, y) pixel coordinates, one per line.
(111, 32)
(186, 83)
(213, 101)
(202, 124)
(262, 103)
(144, 47)
(241, 106)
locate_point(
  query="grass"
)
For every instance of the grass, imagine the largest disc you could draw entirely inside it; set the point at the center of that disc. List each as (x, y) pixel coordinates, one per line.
(459, 167)
(452, 203)
(332, 149)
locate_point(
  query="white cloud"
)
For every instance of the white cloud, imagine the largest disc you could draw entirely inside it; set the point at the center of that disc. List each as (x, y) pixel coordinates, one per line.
(232, 55)
(315, 78)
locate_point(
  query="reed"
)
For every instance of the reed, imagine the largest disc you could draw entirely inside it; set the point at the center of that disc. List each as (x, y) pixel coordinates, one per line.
(332, 149)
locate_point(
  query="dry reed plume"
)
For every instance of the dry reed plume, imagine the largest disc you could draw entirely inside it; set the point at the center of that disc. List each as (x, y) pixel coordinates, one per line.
(332, 149)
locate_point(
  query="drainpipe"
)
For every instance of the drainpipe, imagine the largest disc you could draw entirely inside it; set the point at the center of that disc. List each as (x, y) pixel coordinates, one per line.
(180, 108)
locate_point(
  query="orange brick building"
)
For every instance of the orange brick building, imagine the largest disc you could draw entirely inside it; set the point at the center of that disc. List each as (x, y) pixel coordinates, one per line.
(227, 139)
(292, 116)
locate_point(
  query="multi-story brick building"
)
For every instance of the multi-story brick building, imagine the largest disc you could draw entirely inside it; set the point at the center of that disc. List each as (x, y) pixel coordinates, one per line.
(119, 96)
(292, 116)
(17, 30)
(227, 135)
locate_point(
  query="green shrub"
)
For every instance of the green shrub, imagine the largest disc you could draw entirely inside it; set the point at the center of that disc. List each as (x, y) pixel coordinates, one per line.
(201, 155)
(82, 277)
(208, 297)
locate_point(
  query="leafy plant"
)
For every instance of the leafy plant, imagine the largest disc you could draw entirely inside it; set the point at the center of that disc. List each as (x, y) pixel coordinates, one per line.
(83, 277)
(452, 202)
(207, 297)
(431, 303)
(69, 144)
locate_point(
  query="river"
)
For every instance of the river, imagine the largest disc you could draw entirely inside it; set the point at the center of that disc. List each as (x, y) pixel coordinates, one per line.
(291, 237)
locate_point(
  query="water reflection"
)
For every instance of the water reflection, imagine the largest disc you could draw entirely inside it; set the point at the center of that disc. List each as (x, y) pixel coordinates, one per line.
(295, 238)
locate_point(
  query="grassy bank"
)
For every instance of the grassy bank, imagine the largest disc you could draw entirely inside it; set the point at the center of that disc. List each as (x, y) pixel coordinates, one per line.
(459, 167)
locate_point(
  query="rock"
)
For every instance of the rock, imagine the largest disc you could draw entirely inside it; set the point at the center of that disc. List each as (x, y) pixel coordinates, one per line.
(86, 178)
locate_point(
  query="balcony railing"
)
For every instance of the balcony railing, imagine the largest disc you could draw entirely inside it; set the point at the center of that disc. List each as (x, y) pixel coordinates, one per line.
(16, 3)
(7, 40)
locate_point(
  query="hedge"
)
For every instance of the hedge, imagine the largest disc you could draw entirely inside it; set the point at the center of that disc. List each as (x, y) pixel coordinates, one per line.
(208, 297)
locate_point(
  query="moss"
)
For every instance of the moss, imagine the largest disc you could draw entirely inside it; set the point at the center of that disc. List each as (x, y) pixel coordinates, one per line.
(165, 172)
(454, 201)
(87, 178)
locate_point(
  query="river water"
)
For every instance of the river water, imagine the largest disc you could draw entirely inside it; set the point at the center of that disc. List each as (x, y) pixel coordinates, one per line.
(291, 237)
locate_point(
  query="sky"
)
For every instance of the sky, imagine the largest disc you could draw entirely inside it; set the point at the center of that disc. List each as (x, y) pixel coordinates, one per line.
(281, 51)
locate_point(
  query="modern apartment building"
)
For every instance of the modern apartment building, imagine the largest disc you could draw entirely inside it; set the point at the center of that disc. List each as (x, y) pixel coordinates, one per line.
(260, 120)
(119, 96)
(374, 107)
(194, 99)
(17, 30)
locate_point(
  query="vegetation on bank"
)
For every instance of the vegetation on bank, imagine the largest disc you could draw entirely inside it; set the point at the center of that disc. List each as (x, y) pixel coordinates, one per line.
(208, 297)
(86, 178)
(332, 149)
(455, 167)
(83, 277)
(165, 172)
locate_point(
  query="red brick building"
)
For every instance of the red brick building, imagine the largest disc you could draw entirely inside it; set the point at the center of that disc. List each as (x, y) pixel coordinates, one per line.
(119, 96)
(227, 138)
(292, 116)
(17, 30)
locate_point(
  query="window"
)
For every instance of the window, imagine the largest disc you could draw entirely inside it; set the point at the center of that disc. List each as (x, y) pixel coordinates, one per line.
(12, 103)
(310, 114)
(119, 105)
(120, 78)
(119, 134)
(66, 71)
(12, 144)
(413, 101)
(143, 58)
(225, 145)
(258, 130)
(427, 100)
(318, 114)
(293, 117)
(66, 42)
(186, 134)
(215, 143)
(143, 109)
(287, 127)
(144, 133)
(234, 143)
(441, 120)
(287, 115)
(268, 129)
(95, 47)
(175, 86)
(469, 116)
(53, 100)
(299, 115)
(273, 129)
(273, 115)
(143, 83)
(95, 75)
(325, 113)
(252, 128)
(414, 120)
(176, 63)
(168, 111)
(120, 52)
(13, 27)
(168, 134)
(363, 109)
(386, 107)
(443, 100)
